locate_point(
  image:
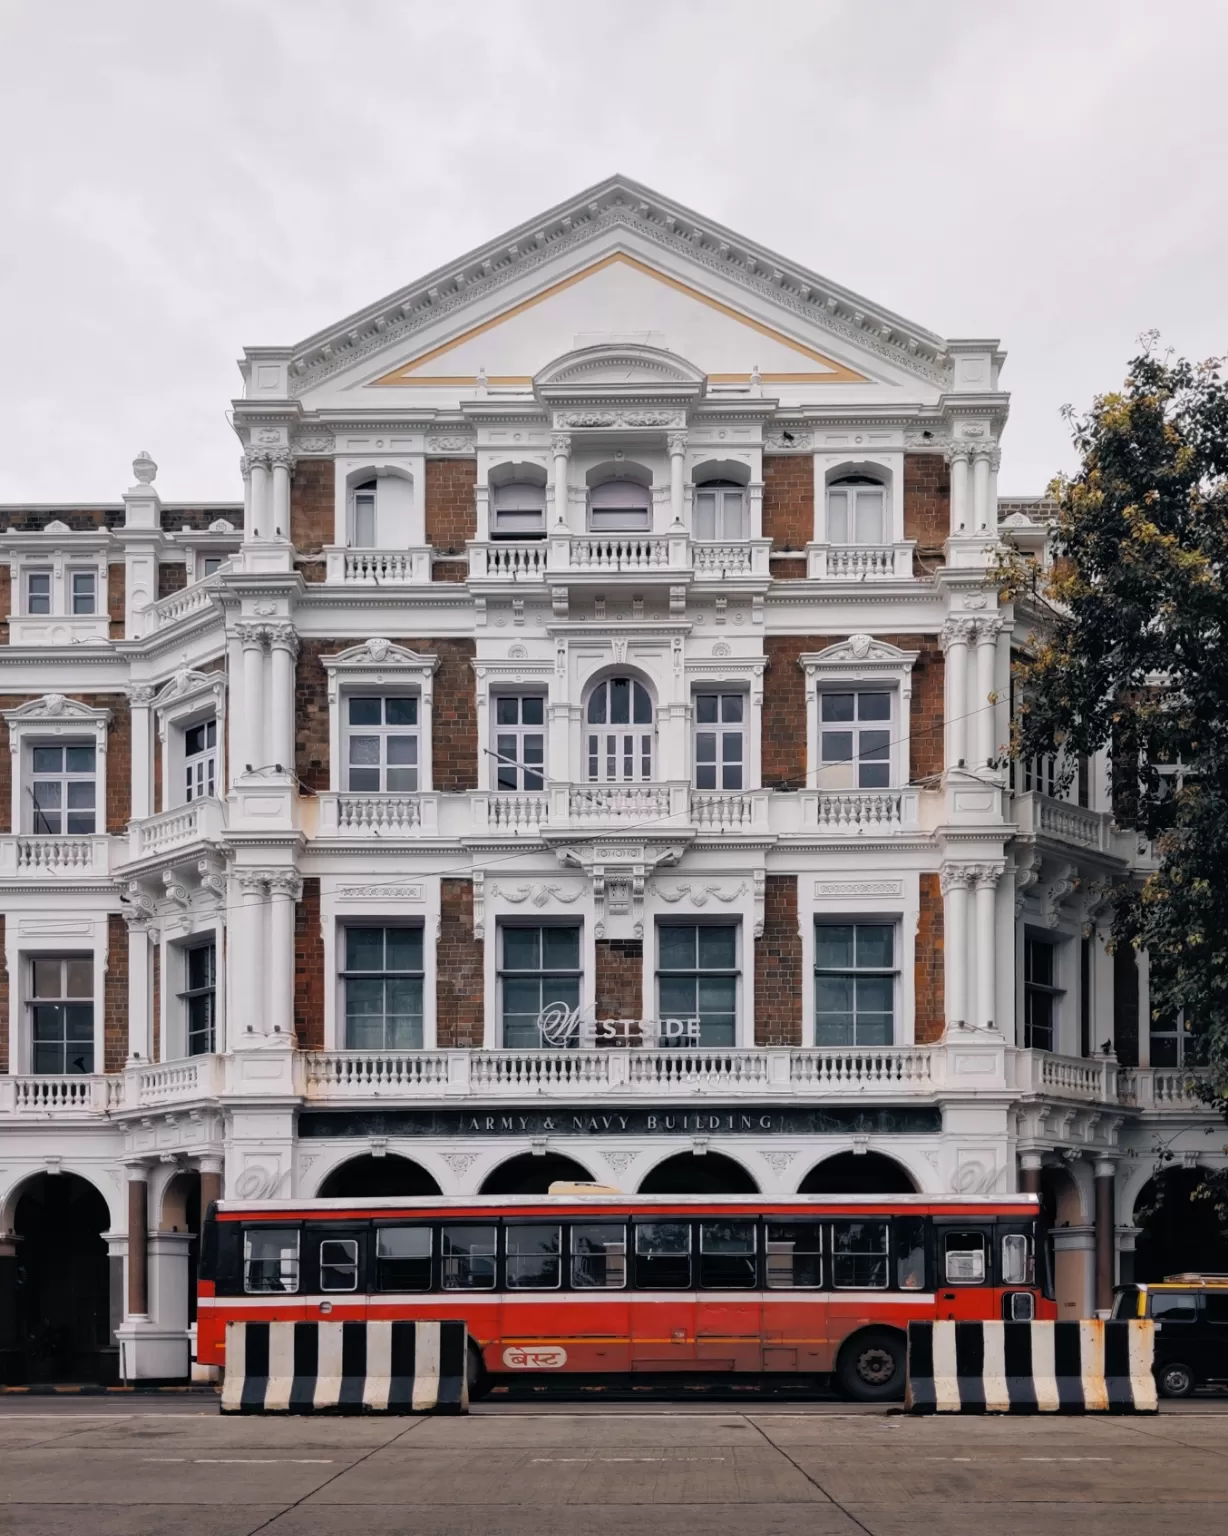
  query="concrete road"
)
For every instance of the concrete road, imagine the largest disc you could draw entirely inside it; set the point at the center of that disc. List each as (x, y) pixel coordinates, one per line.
(124, 1469)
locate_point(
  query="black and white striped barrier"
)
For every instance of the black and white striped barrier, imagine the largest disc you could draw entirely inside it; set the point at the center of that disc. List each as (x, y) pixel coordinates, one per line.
(380, 1367)
(1089, 1367)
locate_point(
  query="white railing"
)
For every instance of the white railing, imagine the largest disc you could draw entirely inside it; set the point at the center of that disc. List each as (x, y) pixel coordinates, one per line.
(200, 821)
(364, 1073)
(1162, 1088)
(1090, 1079)
(59, 858)
(184, 603)
(84, 1094)
(348, 815)
(1041, 816)
(721, 559)
(618, 803)
(377, 567)
(515, 813)
(857, 812)
(562, 552)
(620, 552)
(859, 562)
(894, 1069)
(173, 1082)
(509, 561)
(729, 811)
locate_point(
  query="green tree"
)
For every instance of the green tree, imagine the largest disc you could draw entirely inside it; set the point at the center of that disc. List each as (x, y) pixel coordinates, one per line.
(1130, 655)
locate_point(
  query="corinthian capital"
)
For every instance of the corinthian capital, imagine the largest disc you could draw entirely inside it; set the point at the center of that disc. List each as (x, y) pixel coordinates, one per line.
(985, 876)
(255, 458)
(251, 636)
(676, 442)
(560, 444)
(956, 877)
(283, 458)
(957, 451)
(957, 632)
(285, 882)
(283, 637)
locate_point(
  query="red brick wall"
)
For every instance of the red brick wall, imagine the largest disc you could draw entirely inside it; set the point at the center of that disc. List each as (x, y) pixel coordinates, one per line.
(171, 578)
(788, 500)
(309, 969)
(928, 977)
(778, 966)
(454, 756)
(927, 503)
(115, 995)
(788, 570)
(450, 570)
(784, 705)
(312, 519)
(618, 985)
(459, 980)
(116, 589)
(451, 510)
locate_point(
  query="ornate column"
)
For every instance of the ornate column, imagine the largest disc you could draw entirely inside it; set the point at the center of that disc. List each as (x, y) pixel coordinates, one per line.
(247, 962)
(560, 446)
(957, 455)
(138, 1241)
(258, 469)
(956, 634)
(283, 647)
(980, 486)
(1106, 1232)
(985, 949)
(140, 698)
(285, 888)
(987, 632)
(252, 638)
(1030, 1164)
(956, 878)
(141, 936)
(677, 465)
(282, 462)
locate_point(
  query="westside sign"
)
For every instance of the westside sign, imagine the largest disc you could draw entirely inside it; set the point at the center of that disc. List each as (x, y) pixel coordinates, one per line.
(561, 1026)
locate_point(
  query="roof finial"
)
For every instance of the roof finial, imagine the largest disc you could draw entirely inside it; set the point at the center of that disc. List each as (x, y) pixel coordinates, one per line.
(144, 468)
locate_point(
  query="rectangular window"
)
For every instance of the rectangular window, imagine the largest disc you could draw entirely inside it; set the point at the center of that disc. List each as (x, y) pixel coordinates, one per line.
(663, 1255)
(720, 513)
(539, 968)
(383, 989)
(794, 1255)
(599, 1256)
(364, 517)
(1040, 994)
(697, 984)
(199, 997)
(859, 1255)
(854, 984)
(720, 741)
(1017, 1264)
(964, 1258)
(62, 790)
(855, 514)
(520, 742)
(38, 592)
(855, 740)
(403, 1259)
(467, 1258)
(62, 1014)
(518, 511)
(382, 745)
(210, 566)
(339, 1264)
(727, 1255)
(270, 1259)
(200, 760)
(534, 1256)
(84, 591)
(910, 1252)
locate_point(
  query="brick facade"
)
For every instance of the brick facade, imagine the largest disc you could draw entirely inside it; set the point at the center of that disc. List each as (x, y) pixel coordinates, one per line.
(778, 966)
(459, 980)
(451, 509)
(618, 981)
(309, 969)
(116, 599)
(928, 961)
(115, 996)
(927, 506)
(312, 515)
(171, 578)
(788, 501)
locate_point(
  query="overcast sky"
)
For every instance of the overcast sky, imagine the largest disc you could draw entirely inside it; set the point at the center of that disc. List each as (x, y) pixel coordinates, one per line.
(179, 181)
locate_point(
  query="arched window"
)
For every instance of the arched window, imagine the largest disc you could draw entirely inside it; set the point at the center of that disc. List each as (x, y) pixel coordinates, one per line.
(622, 506)
(362, 516)
(856, 510)
(720, 510)
(618, 744)
(518, 510)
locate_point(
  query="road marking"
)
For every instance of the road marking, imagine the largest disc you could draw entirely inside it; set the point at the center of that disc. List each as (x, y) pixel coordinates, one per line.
(590, 1459)
(246, 1461)
(1065, 1458)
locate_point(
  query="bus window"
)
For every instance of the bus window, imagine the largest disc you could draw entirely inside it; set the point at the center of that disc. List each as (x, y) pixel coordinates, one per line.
(403, 1259)
(964, 1258)
(468, 1258)
(727, 1255)
(599, 1256)
(534, 1257)
(339, 1264)
(663, 1255)
(270, 1259)
(1017, 1265)
(910, 1253)
(794, 1254)
(859, 1255)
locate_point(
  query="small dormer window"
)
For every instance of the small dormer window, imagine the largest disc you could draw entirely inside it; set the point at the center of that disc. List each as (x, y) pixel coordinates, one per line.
(620, 506)
(38, 592)
(518, 511)
(84, 591)
(362, 531)
(856, 510)
(720, 510)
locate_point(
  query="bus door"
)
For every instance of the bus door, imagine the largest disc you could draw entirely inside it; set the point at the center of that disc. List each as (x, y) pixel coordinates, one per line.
(663, 1303)
(335, 1269)
(729, 1310)
(1016, 1270)
(795, 1301)
(966, 1266)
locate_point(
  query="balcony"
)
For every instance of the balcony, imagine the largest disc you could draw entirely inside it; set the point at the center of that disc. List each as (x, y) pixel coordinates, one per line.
(860, 812)
(1059, 821)
(59, 629)
(859, 562)
(674, 555)
(154, 837)
(54, 858)
(378, 816)
(580, 807)
(184, 604)
(79, 1096)
(377, 567)
(1101, 1080)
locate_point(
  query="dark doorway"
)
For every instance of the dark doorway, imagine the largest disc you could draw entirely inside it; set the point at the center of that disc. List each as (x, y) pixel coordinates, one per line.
(1179, 1232)
(531, 1175)
(62, 1290)
(693, 1173)
(853, 1173)
(181, 1213)
(377, 1178)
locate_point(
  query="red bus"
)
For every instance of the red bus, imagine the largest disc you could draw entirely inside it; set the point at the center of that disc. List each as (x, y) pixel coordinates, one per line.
(600, 1285)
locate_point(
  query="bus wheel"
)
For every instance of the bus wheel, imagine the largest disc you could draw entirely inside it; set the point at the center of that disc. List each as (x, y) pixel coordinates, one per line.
(475, 1373)
(1175, 1380)
(871, 1366)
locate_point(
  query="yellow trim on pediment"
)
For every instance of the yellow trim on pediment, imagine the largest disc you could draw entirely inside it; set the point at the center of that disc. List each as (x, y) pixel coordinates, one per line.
(832, 372)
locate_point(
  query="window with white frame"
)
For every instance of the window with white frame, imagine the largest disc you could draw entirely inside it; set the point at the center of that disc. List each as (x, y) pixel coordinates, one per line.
(200, 760)
(619, 733)
(382, 984)
(362, 516)
(38, 592)
(620, 506)
(382, 743)
(720, 741)
(518, 510)
(855, 982)
(1041, 994)
(520, 741)
(63, 788)
(198, 1000)
(855, 739)
(720, 510)
(538, 968)
(856, 510)
(84, 590)
(697, 984)
(210, 565)
(61, 1005)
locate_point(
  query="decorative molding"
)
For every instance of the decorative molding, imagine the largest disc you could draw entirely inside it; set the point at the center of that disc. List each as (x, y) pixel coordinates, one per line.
(837, 889)
(700, 895)
(55, 707)
(537, 893)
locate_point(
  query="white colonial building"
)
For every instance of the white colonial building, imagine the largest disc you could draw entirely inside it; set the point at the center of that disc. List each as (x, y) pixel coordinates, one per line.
(579, 751)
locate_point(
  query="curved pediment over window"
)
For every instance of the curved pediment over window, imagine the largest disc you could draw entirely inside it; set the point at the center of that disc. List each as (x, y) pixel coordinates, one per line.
(619, 373)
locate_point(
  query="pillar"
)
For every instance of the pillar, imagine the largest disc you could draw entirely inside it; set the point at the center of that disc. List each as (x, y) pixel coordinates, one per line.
(138, 1241)
(955, 636)
(986, 947)
(140, 700)
(987, 631)
(258, 467)
(284, 889)
(1030, 1164)
(980, 487)
(955, 881)
(560, 445)
(140, 989)
(210, 1184)
(283, 465)
(1106, 1233)
(677, 467)
(283, 648)
(957, 458)
(252, 637)
(247, 962)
